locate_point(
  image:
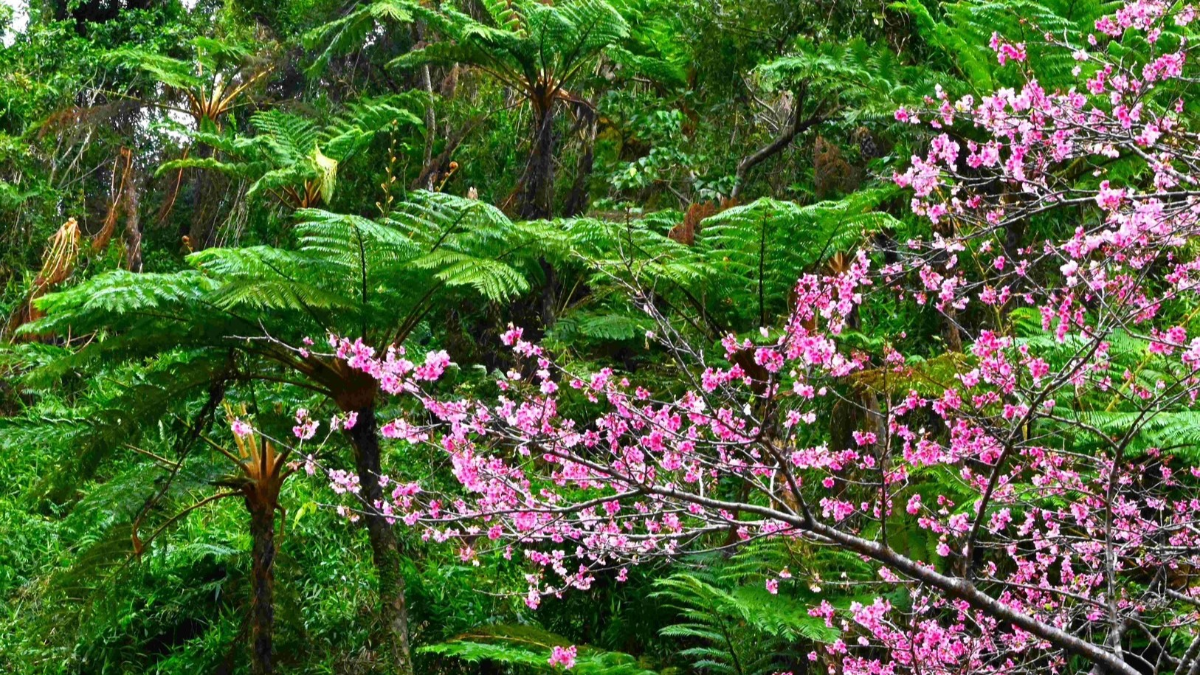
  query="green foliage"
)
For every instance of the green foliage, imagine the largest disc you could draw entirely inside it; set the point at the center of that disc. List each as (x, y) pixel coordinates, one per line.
(529, 648)
(431, 243)
(350, 31)
(963, 30)
(632, 249)
(602, 324)
(735, 626)
(771, 243)
(531, 43)
(208, 58)
(862, 81)
(1176, 433)
(1107, 419)
(292, 158)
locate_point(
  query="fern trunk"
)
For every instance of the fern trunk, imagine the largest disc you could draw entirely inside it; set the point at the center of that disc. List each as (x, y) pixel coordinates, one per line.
(537, 199)
(201, 232)
(577, 201)
(262, 603)
(385, 550)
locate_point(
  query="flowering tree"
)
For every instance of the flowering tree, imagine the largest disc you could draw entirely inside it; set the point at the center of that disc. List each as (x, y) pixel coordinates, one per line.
(1075, 547)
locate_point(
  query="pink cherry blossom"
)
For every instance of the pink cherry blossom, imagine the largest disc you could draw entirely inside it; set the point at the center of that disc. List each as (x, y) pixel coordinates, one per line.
(563, 657)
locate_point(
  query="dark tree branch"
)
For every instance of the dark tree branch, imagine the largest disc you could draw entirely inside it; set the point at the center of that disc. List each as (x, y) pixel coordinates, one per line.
(799, 125)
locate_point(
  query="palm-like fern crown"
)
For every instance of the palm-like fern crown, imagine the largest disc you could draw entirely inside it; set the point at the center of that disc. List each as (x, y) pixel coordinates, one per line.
(535, 48)
(771, 243)
(858, 79)
(212, 78)
(293, 158)
(612, 257)
(1101, 419)
(738, 275)
(731, 625)
(195, 330)
(350, 31)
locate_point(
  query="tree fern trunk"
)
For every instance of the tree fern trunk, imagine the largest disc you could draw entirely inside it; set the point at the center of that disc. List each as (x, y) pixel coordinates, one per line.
(537, 199)
(200, 232)
(577, 200)
(385, 550)
(262, 603)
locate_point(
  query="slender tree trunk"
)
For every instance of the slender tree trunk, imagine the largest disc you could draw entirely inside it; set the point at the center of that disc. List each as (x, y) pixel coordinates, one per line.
(262, 604)
(537, 200)
(418, 36)
(430, 114)
(385, 550)
(133, 221)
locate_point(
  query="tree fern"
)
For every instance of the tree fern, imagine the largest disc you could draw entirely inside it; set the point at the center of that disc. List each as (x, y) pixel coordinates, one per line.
(771, 243)
(738, 629)
(351, 241)
(603, 325)
(634, 250)
(542, 51)
(531, 41)
(262, 277)
(293, 158)
(350, 276)
(855, 78)
(215, 74)
(349, 32)
(92, 305)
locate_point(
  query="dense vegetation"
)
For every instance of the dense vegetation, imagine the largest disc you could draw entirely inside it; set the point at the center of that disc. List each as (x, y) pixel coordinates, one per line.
(226, 226)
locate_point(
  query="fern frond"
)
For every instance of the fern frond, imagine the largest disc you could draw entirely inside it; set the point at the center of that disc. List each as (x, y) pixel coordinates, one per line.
(344, 35)
(92, 304)
(771, 243)
(491, 278)
(530, 647)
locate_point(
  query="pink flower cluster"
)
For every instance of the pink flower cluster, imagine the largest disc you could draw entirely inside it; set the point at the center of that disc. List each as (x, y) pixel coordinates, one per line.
(563, 657)
(241, 428)
(395, 373)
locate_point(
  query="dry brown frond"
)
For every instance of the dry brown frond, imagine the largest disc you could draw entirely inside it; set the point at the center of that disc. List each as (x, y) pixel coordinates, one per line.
(57, 264)
(104, 236)
(59, 261)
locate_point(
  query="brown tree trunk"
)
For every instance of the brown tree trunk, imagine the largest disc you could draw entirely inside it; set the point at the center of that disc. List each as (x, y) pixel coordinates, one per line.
(262, 603)
(385, 550)
(799, 125)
